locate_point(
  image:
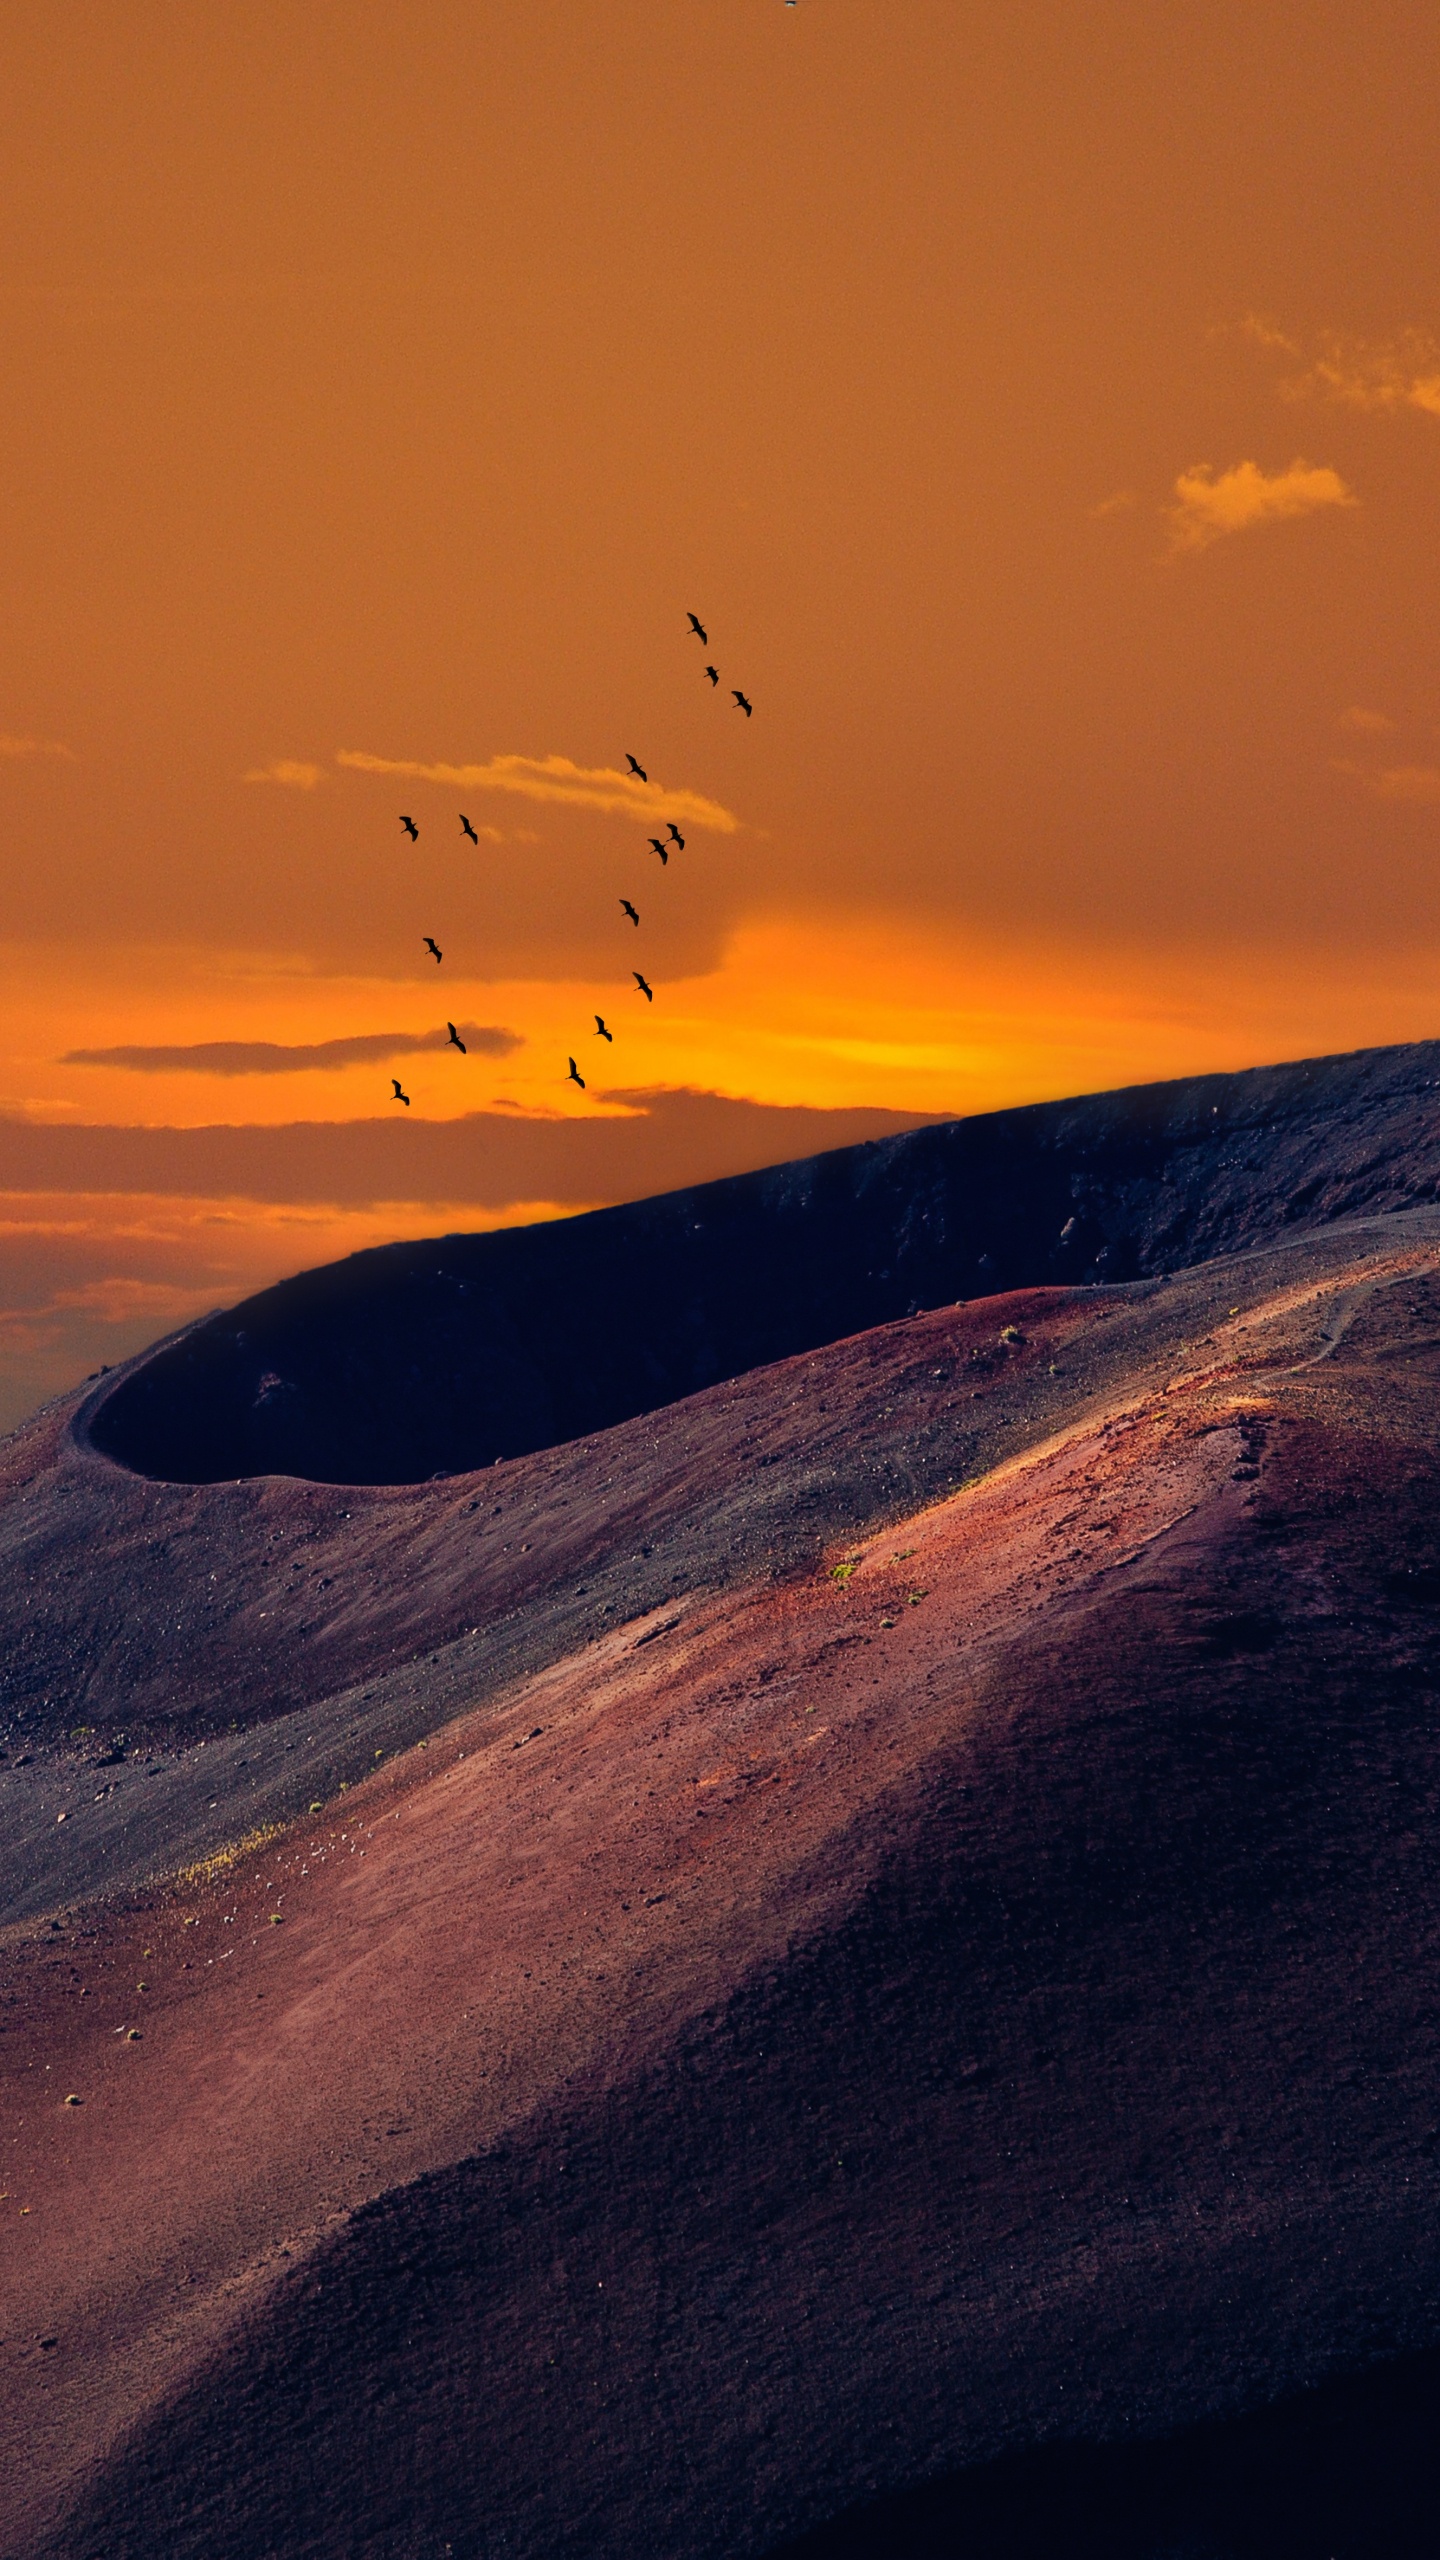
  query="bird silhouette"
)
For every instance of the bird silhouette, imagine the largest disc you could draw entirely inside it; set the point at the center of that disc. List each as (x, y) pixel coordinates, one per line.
(747, 707)
(630, 911)
(469, 830)
(575, 1076)
(637, 768)
(411, 829)
(698, 627)
(662, 849)
(399, 1096)
(433, 946)
(675, 835)
(714, 674)
(455, 1040)
(646, 990)
(600, 1031)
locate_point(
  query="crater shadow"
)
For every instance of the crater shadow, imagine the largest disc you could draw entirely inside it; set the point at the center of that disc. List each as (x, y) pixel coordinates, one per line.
(417, 1360)
(1347, 2472)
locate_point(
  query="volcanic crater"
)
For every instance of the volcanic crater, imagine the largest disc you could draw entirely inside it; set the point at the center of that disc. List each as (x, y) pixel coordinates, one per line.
(756, 1873)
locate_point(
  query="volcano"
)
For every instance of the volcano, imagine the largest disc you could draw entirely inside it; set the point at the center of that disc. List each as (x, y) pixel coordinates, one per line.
(753, 1874)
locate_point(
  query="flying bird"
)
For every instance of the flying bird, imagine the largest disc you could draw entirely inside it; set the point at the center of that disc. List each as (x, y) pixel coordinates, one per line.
(630, 911)
(714, 674)
(433, 946)
(747, 707)
(600, 1031)
(675, 835)
(455, 1040)
(637, 768)
(662, 849)
(411, 829)
(575, 1076)
(399, 1096)
(469, 830)
(646, 990)
(698, 627)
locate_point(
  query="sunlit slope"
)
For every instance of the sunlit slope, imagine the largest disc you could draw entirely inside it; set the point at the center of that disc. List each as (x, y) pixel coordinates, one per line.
(957, 1976)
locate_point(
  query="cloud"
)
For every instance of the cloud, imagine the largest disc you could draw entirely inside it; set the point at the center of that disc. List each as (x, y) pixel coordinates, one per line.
(108, 1236)
(1416, 783)
(286, 771)
(36, 747)
(1370, 724)
(1419, 784)
(1266, 334)
(1383, 378)
(1378, 374)
(574, 786)
(1117, 505)
(488, 1159)
(1210, 504)
(273, 1058)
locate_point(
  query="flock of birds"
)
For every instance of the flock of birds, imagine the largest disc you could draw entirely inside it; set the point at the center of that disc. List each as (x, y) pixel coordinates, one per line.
(671, 841)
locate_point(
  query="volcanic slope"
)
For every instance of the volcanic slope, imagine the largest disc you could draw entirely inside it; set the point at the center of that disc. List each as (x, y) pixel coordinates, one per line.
(269, 1543)
(948, 1974)
(420, 1359)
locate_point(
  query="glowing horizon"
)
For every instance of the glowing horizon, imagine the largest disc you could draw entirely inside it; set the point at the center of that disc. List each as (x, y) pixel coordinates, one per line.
(1031, 414)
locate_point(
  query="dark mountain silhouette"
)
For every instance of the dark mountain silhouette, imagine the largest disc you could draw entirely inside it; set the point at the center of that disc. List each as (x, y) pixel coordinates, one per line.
(417, 1358)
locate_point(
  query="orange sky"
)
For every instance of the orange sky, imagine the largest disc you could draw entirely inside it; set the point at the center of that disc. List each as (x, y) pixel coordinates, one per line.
(1041, 407)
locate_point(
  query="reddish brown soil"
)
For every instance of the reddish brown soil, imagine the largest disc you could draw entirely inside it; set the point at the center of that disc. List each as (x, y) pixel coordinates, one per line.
(245, 1649)
(816, 2033)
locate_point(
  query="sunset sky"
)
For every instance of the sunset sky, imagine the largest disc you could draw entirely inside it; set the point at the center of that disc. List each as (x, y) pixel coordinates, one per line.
(1040, 406)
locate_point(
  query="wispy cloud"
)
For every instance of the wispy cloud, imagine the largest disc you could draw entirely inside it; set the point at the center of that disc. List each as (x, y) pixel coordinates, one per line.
(573, 786)
(1414, 782)
(36, 747)
(290, 774)
(1210, 504)
(1265, 333)
(276, 1058)
(1118, 504)
(1384, 374)
(663, 1137)
(1368, 724)
(1419, 784)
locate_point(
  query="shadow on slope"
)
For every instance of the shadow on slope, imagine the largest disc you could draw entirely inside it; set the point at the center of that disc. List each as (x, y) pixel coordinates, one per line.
(437, 1358)
(829, 2049)
(1349, 2472)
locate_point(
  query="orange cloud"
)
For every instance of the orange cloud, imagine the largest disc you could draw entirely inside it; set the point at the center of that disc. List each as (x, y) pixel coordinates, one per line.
(1371, 724)
(36, 747)
(288, 1058)
(1361, 373)
(1266, 334)
(1210, 504)
(291, 775)
(1417, 783)
(574, 786)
